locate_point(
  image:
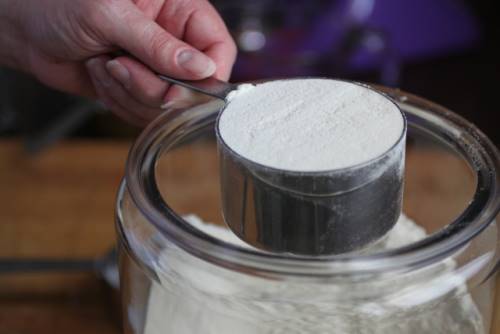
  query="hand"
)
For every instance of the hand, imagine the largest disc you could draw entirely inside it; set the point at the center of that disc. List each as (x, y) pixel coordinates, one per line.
(69, 42)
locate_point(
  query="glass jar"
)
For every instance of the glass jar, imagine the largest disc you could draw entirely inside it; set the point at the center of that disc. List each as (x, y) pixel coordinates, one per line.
(183, 272)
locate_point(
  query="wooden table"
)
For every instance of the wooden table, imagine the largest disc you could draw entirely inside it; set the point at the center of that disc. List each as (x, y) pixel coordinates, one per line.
(60, 204)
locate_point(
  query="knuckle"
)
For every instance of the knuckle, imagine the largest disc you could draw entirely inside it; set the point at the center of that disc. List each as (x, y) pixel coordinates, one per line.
(100, 12)
(95, 11)
(106, 4)
(160, 44)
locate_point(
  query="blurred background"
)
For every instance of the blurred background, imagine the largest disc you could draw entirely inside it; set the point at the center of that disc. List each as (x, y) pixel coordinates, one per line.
(444, 50)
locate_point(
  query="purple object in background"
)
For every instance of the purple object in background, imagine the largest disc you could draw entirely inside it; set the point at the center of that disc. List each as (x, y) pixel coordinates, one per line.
(425, 28)
(345, 37)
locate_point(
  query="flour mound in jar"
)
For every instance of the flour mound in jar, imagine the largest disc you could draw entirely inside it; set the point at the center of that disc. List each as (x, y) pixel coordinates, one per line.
(310, 124)
(196, 296)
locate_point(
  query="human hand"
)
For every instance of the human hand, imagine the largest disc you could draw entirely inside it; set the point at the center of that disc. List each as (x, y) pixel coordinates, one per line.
(69, 43)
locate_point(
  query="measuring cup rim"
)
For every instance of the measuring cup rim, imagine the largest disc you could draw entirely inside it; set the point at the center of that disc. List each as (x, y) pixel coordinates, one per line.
(260, 166)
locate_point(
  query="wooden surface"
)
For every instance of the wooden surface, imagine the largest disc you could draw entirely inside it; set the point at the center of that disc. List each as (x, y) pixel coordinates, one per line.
(60, 204)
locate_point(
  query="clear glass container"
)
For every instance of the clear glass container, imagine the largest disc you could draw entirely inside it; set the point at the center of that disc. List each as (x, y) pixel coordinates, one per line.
(182, 271)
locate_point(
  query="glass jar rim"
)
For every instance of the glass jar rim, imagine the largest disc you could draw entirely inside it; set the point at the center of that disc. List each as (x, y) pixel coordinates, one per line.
(471, 142)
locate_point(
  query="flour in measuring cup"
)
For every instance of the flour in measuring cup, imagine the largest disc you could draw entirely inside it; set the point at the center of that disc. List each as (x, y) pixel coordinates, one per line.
(198, 297)
(309, 124)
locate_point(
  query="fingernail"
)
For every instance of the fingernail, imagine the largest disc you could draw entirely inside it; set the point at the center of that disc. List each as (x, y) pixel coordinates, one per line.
(119, 72)
(196, 63)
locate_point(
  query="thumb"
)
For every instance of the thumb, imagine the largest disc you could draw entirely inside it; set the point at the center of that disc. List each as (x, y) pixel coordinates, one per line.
(154, 46)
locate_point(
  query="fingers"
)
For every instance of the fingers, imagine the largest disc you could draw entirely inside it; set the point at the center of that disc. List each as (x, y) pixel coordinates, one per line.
(149, 42)
(205, 30)
(224, 55)
(138, 80)
(146, 88)
(129, 86)
(118, 110)
(70, 77)
(115, 96)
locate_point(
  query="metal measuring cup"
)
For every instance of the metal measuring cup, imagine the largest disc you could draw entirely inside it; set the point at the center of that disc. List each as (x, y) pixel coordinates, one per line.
(311, 213)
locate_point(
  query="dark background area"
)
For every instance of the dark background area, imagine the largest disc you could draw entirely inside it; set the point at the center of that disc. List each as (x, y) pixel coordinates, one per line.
(286, 38)
(466, 83)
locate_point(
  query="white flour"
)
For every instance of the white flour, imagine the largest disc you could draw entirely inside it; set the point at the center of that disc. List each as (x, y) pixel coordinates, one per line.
(198, 297)
(309, 124)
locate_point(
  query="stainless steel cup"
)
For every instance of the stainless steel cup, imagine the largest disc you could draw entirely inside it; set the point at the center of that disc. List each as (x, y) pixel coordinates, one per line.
(328, 212)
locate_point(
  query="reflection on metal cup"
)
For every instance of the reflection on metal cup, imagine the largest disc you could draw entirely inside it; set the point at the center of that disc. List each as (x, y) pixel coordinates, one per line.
(311, 213)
